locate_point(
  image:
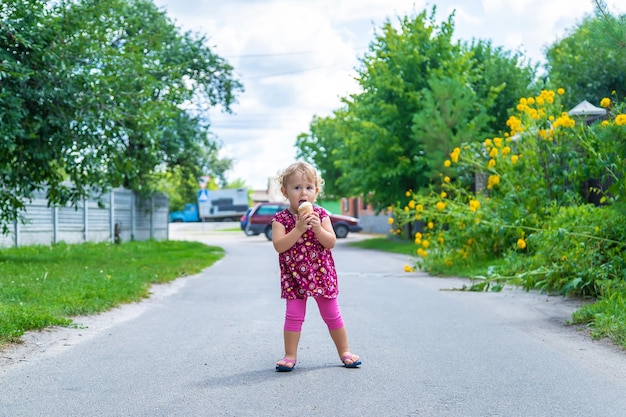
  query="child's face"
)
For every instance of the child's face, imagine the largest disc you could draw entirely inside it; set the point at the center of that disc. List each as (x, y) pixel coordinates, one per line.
(298, 188)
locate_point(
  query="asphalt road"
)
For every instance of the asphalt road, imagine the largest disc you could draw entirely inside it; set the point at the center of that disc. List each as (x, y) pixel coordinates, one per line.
(206, 345)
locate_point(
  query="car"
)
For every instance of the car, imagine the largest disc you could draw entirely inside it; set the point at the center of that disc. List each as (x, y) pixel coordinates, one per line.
(260, 221)
(243, 221)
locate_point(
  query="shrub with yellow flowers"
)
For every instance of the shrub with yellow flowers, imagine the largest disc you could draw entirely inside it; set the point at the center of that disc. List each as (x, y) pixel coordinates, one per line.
(524, 196)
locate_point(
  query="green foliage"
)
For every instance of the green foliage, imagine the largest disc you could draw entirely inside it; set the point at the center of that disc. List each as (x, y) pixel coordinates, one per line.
(421, 94)
(93, 98)
(393, 245)
(41, 286)
(607, 316)
(499, 78)
(591, 59)
(531, 210)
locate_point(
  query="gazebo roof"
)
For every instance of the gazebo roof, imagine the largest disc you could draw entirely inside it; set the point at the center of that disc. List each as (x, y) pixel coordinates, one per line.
(584, 108)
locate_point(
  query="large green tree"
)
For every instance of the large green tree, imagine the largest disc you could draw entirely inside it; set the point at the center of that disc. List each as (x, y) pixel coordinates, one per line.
(590, 62)
(99, 94)
(421, 95)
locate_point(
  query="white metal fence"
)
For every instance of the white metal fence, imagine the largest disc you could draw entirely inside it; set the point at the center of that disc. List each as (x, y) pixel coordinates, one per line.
(123, 216)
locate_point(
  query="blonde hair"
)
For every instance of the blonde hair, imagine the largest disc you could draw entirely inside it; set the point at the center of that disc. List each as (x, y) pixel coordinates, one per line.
(307, 170)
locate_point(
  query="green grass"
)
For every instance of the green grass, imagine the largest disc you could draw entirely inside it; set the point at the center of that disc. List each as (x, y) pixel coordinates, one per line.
(407, 247)
(43, 286)
(606, 317)
(384, 244)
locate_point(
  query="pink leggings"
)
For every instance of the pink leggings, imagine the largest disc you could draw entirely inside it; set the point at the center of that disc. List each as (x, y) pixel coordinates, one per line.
(329, 310)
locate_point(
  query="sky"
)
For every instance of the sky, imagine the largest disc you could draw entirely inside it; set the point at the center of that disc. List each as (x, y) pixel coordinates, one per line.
(297, 58)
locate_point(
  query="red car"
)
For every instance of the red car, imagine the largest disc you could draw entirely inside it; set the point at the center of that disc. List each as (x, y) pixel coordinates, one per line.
(259, 221)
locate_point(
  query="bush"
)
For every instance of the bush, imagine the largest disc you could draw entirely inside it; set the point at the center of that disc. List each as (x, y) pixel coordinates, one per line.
(524, 197)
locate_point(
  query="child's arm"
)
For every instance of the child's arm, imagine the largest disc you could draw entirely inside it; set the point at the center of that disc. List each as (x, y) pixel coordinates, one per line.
(283, 241)
(323, 231)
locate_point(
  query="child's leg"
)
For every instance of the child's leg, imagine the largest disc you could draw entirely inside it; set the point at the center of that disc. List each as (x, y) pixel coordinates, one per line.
(294, 317)
(331, 314)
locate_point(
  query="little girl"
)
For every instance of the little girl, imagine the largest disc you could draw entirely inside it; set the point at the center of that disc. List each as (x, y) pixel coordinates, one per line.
(307, 268)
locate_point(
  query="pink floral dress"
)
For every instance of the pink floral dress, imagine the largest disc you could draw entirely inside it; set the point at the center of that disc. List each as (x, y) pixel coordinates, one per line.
(307, 269)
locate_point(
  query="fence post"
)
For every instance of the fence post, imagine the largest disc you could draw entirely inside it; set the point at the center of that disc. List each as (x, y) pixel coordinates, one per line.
(152, 217)
(16, 233)
(85, 221)
(55, 224)
(133, 211)
(112, 216)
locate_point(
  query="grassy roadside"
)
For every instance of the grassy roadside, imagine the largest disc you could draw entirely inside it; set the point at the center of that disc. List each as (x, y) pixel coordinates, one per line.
(405, 247)
(43, 286)
(606, 318)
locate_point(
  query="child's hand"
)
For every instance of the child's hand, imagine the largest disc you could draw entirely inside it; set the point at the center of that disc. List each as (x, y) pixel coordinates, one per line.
(314, 222)
(302, 222)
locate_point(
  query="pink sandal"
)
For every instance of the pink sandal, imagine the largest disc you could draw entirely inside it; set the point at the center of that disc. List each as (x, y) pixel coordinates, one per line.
(350, 357)
(285, 368)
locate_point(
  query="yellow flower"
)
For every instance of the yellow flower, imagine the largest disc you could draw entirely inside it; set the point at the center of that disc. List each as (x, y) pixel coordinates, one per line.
(447, 163)
(605, 102)
(506, 150)
(444, 194)
(446, 179)
(422, 253)
(474, 205)
(493, 153)
(408, 268)
(620, 119)
(440, 205)
(493, 180)
(430, 225)
(521, 243)
(419, 208)
(418, 236)
(390, 220)
(412, 204)
(514, 159)
(425, 244)
(561, 91)
(408, 193)
(492, 163)
(440, 240)
(497, 142)
(454, 155)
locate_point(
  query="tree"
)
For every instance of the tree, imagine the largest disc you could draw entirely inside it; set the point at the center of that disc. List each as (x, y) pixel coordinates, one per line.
(319, 146)
(97, 95)
(590, 62)
(421, 95)
(381, 157)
